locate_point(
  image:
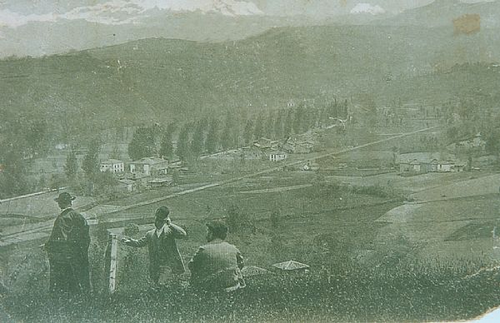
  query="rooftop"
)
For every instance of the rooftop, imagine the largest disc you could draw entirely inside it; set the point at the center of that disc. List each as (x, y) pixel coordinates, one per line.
(112, 161)
(150, 160)
(290, 265)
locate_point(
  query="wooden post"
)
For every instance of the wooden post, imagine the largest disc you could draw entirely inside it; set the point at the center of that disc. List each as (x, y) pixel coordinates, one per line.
(111, 262)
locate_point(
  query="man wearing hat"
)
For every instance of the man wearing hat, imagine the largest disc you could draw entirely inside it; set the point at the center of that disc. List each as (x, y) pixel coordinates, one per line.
(67, 249)
(163, 251)
(217, 265)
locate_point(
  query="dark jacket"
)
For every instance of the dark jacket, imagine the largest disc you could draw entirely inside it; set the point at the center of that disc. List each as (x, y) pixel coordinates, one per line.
(67, 249)
(217, 266)
(70, 236)
(163, 250)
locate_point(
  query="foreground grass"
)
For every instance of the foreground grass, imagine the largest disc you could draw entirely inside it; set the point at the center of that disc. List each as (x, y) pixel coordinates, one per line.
(343, 294)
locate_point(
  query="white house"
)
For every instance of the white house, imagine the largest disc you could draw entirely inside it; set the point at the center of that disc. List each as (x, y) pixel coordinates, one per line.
(149, 166)
(277, 156)
(112, 165)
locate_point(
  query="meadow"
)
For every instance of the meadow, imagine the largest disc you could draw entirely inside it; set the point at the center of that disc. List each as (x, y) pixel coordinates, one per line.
(331, 226)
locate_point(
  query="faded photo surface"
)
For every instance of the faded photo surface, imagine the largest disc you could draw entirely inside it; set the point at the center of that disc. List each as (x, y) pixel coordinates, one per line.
(249, 160)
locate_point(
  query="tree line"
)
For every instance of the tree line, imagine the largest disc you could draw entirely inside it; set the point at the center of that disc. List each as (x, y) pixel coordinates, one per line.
(212, 134)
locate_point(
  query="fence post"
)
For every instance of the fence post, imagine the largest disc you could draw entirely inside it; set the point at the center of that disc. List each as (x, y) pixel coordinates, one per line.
(111, 262)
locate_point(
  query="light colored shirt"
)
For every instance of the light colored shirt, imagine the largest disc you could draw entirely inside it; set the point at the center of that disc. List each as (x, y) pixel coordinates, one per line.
(160, 231)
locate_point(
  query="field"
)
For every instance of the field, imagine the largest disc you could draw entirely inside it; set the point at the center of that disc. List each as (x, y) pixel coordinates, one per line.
(373, 256)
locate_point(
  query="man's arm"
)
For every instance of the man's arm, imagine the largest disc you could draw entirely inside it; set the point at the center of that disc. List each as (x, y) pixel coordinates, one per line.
(177, 231)
(142, 242)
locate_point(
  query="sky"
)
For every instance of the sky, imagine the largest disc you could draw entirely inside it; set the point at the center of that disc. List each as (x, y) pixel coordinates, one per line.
(38, 27)
(15, 13)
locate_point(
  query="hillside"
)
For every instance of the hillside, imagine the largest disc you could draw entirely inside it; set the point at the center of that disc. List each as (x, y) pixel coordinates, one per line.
(161, 80)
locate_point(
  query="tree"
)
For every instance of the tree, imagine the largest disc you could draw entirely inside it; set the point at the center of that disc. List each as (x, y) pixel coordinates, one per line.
(493, 143)
(452, 133)
(71, 166)
(13, 178)
(106, 184)
(36, 135)
(259, 128)
(369, 107)
(143, 144)
(248, 133)
(332, 110)
(182, 150)
(56, 181)
(90, 164)
(269, 127)
(278, 125)
(312, 119)
(345, 110)
(197, 142)
(227, 138)
(176, 177)
(42, 183)
(298, 120)
(167, 147)
(211, 142)
(287, 128)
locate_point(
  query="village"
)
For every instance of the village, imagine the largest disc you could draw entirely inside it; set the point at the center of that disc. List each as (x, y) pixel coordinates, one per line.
(430, 152)
(249, 161)
(356, 182)
(337, 148)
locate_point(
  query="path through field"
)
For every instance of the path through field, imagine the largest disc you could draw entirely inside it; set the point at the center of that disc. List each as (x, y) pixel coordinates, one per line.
(454, 221)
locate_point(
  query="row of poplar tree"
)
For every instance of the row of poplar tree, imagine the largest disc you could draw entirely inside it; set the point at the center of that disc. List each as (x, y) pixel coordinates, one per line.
(209, 135)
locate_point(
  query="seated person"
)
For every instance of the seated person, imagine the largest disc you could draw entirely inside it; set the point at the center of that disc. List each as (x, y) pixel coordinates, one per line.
(217, 265)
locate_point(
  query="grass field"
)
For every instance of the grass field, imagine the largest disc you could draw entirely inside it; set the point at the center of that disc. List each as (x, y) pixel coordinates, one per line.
(372, 258)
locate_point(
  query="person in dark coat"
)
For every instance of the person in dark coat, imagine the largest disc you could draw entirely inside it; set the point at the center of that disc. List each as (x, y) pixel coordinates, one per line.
(162, 247)
(217, 265)
(67, 250)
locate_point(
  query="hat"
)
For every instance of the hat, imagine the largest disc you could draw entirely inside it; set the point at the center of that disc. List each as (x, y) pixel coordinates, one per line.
(64, 197)
(162, 212)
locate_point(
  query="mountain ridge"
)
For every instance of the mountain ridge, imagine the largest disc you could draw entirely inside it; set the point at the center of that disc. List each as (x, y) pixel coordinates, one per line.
(164, 80)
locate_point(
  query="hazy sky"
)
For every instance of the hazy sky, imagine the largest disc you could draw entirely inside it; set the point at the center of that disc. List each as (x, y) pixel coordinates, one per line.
(46, 26)
(15, 13)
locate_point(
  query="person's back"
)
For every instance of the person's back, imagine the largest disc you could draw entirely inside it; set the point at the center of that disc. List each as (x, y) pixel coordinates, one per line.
(217, 265)
(67, 249)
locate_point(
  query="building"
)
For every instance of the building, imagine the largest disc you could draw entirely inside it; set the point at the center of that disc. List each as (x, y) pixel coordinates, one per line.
(277, 156)
(112, 165)
(159, 182)
(421, 163)
(149, 166)
(127, 185)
